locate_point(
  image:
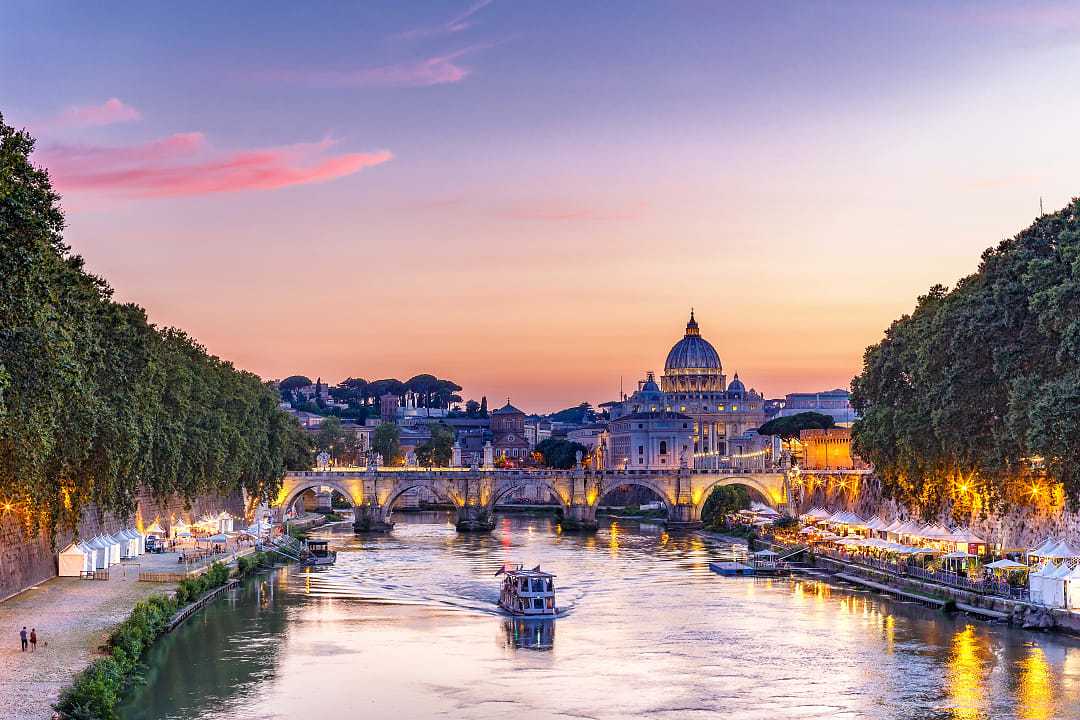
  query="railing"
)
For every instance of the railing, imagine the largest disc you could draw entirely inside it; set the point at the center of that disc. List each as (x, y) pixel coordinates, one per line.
(951, 579)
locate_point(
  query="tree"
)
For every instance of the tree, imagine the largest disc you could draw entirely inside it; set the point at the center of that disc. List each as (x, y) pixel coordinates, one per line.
(790, 426)
(472, 409)
(974, 398)
(579, 414)
(386, 441)
(330, 435)
(96, 403)
(723, 501)
(560, 453)
(293, 382)
(437, 451)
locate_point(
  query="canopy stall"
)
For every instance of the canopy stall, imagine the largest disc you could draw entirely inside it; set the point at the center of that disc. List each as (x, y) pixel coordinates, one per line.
(102, 553)
(89, 557)
(967, 541)
(181, 528)
(71, 561)
(1072, 588)
(155, 529)
(225, 522)
(114, 548)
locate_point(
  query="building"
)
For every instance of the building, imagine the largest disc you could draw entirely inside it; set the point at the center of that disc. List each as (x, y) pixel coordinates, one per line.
(651, 440)
(829, 450)
(694, 384)
(836, 403)
(537, 430)
(508, 433)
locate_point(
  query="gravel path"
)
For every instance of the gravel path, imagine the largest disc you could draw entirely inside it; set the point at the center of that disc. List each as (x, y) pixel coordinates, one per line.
(74, 617)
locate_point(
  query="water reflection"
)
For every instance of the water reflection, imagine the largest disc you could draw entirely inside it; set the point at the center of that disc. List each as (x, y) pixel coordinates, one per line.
(529, 634)
(402, 625)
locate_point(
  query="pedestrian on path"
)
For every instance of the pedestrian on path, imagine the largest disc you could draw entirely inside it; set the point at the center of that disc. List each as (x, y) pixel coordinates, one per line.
(22, 637)
(33, 639)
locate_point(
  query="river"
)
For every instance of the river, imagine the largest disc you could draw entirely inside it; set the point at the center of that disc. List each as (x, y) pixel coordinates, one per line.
(405, 626)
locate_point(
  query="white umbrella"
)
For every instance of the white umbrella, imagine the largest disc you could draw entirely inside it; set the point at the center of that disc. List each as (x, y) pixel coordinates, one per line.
(1006, 565)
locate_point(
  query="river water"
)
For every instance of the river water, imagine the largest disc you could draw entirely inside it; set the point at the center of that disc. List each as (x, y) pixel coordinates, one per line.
(405, 626)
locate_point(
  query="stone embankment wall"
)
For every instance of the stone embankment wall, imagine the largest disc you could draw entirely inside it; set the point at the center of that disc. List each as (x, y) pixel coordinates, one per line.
(28, 560)
(1023, 527)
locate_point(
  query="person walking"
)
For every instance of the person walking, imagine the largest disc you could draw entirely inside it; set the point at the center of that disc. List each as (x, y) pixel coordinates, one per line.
(22, 637)
(33, 639)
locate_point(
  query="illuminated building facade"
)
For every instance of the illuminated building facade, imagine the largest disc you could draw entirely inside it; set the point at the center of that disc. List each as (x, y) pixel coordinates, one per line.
(722, 416)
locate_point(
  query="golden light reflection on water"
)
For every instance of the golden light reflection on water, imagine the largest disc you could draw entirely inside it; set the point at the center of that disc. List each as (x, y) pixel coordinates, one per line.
(966, 676)
(888, 627)
(1035, 687)
(613, 543)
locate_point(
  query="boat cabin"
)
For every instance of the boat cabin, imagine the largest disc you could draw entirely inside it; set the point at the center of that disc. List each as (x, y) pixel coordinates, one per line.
(319, 553)
(527, 592)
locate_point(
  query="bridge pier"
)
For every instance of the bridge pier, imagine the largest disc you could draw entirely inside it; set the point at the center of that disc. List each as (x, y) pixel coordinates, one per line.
(369, 519)
(684, 517)
(475, 518)
(579, 518)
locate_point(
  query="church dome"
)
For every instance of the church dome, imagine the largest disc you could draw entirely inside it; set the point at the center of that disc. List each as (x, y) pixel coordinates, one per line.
(736, 385)
(693, 352)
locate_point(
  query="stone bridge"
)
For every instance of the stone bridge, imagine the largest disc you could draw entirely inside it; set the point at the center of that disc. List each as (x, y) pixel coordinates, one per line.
(474, 492)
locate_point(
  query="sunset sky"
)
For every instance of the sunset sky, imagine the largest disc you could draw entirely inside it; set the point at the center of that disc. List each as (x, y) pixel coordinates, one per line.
(529, 197)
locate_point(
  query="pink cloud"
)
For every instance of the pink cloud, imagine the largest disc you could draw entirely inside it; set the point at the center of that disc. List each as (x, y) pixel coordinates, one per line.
(440, 70)
(180, 165)
(569, 213)
(454, 25)
(110, 112)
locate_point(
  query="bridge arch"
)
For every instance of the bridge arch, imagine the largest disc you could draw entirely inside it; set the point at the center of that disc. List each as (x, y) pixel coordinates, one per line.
(502, 491)
(294, 488)
(662, 490)
(439, 489)
(773, 495)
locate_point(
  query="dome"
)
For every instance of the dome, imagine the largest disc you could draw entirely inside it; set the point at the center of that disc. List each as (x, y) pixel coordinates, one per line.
(736, 385)
(693, 352)
(649, 385)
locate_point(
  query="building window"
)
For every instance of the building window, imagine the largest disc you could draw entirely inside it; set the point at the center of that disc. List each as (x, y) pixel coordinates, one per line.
(734, 408)
(640, 449)
(663, 447)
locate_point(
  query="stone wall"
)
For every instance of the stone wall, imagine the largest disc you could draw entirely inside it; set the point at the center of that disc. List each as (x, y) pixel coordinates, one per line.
(1023, 527)
(28, 560)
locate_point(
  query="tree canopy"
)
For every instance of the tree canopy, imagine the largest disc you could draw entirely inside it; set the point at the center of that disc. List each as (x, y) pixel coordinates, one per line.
(560, 453)
(578, 415)
(438, 450)
(293, 382)
(976, 393)
(789, 427)
(96, 402)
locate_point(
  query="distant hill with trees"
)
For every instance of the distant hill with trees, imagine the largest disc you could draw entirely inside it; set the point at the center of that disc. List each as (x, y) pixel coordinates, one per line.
(790, 426)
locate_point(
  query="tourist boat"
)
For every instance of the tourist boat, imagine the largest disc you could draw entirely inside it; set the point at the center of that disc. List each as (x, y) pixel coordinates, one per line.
(319, 553)
(529, 593)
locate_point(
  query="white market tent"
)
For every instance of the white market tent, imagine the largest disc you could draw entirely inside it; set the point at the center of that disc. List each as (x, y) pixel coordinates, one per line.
(71, 561)
(1053, 589)
(1061, 551)
(181, 529)
(114, 548)
(1005, 565)
(89, 557)
(129, 546)
(1072, 587)
(1035, 581)
(1042, 548)
(102, 553)
(155, 529)
(140, 540)
(225, 522)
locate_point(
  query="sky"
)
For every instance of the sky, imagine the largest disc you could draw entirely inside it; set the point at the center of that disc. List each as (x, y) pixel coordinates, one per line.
(529, 197)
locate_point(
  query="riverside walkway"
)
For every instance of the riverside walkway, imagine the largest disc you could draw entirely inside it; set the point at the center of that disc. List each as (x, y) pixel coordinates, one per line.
(74, 617)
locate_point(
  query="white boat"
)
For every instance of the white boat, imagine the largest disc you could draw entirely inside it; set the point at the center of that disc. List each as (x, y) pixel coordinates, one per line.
(318, 553)
(529, 593)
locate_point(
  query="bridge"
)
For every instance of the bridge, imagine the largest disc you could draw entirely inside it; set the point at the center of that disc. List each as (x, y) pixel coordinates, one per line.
(474, 492)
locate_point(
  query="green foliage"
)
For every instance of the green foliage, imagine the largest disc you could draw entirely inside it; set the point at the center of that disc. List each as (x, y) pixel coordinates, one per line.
(386, 440)
(247, 564)
(723, 501)
(95, 402)
(789, 427)
(560, 453)
(578, 415)
(437, 451)
(294, 382)
(979, 380)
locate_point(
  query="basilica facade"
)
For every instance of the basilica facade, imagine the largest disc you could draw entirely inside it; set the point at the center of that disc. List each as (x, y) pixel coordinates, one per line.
(714, 421)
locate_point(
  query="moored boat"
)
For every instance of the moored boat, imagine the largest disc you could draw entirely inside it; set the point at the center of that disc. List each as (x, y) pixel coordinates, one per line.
(318, 553)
